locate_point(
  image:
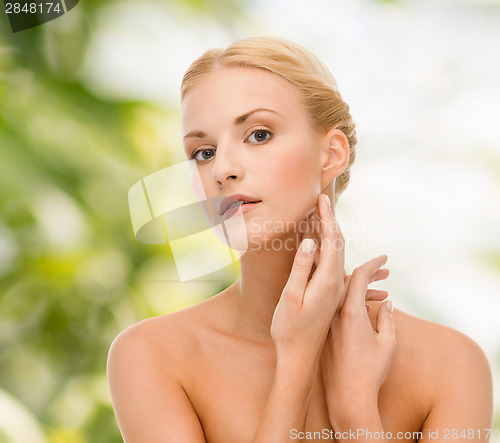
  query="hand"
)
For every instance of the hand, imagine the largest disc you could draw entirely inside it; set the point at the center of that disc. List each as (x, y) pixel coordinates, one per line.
(356, 359)
(371, 294)
(305, 310)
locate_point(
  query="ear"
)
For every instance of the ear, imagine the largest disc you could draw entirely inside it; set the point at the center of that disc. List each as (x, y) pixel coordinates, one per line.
(335, 155)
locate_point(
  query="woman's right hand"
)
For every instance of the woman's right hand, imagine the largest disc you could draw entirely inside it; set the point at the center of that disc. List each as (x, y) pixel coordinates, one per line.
(305, 310)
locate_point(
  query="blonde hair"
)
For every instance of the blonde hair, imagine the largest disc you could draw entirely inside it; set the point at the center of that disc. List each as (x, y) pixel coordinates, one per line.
(306, 72)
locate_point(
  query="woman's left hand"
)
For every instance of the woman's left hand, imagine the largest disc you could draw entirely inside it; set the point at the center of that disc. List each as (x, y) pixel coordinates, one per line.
(356, 359)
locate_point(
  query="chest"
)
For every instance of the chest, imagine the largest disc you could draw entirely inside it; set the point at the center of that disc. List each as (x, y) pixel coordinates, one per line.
(229, 387)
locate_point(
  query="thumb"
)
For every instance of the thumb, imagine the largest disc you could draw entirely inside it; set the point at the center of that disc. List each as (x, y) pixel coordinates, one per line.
(301, 268)
(385, 322)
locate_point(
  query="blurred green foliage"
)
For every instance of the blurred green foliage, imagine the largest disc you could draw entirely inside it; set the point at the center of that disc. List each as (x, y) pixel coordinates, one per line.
(71, 270)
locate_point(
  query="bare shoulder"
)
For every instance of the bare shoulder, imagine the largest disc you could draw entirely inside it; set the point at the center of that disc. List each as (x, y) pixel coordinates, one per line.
(438, 360)
(163, 337)
(170, 341)
(146, 372)
(430, 341)
(149, 340)
(437, 345)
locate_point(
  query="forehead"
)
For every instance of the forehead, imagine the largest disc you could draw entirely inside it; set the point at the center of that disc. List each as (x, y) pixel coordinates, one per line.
(231, 91)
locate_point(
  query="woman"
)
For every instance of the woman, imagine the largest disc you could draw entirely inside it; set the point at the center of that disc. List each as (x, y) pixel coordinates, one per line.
(295, 349)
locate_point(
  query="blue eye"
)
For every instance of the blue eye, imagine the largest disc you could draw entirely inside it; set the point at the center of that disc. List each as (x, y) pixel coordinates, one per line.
(259, 136)
(205, 155)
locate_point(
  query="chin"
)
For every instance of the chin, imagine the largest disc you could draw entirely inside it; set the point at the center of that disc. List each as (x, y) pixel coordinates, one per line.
(275, 235)
(244, 232)
(233, 232)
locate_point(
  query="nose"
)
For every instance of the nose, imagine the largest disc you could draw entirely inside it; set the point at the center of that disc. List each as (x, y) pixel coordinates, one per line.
(227, 166)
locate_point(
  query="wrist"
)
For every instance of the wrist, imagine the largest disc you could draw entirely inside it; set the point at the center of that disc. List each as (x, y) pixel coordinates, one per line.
(349, 394)
(353, 412)
(300, 361)
(304, 356)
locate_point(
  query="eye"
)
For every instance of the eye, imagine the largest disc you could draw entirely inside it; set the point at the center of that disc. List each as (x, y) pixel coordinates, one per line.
(203, 154)
(259, 136)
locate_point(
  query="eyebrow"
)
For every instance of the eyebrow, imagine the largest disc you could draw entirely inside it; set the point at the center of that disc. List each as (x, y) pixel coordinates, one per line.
(241, 119)
(237, 121)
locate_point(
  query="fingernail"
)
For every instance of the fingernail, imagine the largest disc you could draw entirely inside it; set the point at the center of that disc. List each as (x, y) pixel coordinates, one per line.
(327, 199)
(307, 246)
(389, 306)
(368, 307)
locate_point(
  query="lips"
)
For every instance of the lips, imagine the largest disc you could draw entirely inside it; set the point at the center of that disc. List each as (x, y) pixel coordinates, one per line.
(235, 200)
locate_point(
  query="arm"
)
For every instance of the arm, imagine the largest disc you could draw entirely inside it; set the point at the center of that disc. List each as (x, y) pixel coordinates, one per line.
(288, 402)
(298, 329)
(457, 380)
(356, 359)
(150, 404)
(463, 392)
(353, 382)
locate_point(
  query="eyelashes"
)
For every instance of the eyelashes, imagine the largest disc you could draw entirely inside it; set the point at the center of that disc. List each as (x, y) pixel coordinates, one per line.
(260, 131)
(255, 137)
(194, 155)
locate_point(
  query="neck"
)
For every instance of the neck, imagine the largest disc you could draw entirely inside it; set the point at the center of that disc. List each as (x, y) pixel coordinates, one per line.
(264, 274)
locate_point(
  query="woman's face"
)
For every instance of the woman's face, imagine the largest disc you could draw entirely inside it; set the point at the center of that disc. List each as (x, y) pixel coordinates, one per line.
(248, 132)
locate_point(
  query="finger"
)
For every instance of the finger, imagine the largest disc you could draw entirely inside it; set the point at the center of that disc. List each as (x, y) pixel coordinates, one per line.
(316, 230)
(347, 279)
(316, 254)
(314, 221)
(358, 283)
(385, 322)
(371, 294)
(332, 243)
(381, 274)
(299, 275)
(376, 295)
(316, 257)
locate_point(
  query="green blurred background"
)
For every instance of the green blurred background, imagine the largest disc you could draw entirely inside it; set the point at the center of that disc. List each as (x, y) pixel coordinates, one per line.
(89, 105)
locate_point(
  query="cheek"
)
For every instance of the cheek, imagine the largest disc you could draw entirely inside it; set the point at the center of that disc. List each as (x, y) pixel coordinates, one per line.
(300, 172)
(295, 181)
